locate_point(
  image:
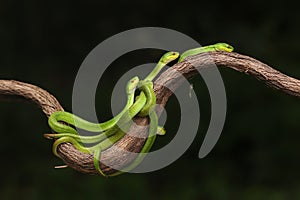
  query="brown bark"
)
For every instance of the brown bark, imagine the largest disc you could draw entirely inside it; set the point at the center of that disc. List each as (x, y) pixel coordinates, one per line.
(84, 162)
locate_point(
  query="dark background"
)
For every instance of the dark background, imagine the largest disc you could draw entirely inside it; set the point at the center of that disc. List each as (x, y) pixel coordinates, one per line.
(257, 156)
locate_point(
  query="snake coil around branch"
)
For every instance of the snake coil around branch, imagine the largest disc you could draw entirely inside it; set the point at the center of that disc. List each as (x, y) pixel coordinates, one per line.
(168, 81)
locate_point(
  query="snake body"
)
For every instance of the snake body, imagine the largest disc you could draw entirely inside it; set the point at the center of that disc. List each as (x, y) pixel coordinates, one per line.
(209, 48)
(114, 129)
(55, 118)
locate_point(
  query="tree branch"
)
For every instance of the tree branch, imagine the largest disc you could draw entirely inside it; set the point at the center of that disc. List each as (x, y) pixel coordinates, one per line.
(188, 68)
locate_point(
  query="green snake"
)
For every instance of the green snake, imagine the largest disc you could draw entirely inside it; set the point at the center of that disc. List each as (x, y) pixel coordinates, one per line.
(209, 48)
(110, 131)
(55, 118)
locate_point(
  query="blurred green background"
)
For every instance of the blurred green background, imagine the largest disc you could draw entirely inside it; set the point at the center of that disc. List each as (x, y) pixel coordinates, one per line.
(257, 156)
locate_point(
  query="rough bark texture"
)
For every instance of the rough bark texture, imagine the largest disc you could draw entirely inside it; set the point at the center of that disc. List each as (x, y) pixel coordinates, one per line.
(171, 80)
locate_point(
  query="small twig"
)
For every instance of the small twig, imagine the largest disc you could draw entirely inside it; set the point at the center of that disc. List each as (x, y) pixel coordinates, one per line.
(61, 167)
(84, 162)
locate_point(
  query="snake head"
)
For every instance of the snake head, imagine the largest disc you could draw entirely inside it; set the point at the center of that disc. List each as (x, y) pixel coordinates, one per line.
(132, 84)
(169, 57)
(223, 47)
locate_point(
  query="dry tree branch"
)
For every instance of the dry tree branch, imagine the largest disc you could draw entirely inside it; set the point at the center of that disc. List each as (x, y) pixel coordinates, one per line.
(188, 68)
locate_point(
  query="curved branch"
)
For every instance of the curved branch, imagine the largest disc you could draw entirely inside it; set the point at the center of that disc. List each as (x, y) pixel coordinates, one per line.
(169, 79)
(11, 90)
